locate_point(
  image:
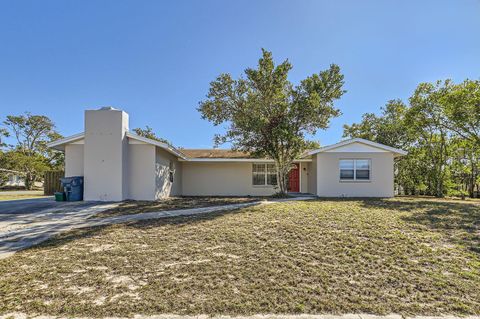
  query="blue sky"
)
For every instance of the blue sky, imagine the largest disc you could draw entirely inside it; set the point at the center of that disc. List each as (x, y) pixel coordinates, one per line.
(155, 59)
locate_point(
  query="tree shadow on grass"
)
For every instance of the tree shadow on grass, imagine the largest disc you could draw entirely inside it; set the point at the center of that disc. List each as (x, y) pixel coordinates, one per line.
(458, 221)
(64, 238)
(130, 207)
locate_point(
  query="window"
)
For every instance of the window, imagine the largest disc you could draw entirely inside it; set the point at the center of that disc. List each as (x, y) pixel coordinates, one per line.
(355, 169)
(347, 169)
(271, 174)
(362, 169)
(264, 174)
(258, 174)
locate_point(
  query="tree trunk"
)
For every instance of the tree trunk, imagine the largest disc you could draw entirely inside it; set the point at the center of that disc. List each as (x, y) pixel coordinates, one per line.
(471, 186)
(28, 181)
(281, 182)
(282, 173)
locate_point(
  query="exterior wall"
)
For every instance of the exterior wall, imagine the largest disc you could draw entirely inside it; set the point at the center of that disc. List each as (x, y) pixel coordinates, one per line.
(312, 175)
(381, 178)
(303, 177)
(163, 186)
(14, 180)
(105, 167)
(221, 179)
(18, 181)
(141, 172)
(177, 187)
(74, 160)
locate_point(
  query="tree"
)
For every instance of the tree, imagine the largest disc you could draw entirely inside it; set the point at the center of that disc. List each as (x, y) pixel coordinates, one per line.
(30, 154)
(267, 115)
(389, 128)
(439, 129)
(461, 106)
(464, 166)
(149, 133)
(3, 135)
(427, 122)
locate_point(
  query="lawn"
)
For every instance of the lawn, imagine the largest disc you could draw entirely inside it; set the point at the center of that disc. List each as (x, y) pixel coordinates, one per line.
(173, 203)
(13, 195)
(407, 256)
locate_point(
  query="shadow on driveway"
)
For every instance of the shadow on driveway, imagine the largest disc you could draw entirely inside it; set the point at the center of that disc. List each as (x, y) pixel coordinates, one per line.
(24, 223)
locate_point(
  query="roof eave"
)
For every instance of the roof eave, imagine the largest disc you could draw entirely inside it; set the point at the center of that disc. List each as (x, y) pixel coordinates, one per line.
(247, 160)
(162, 145)
(59, 144)
(396, 151)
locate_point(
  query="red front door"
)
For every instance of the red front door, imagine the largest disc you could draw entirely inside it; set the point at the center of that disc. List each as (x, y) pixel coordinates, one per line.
(294, 179)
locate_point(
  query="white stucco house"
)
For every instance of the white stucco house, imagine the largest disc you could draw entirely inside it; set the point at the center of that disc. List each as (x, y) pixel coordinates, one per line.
(119, 165)
(16, 178)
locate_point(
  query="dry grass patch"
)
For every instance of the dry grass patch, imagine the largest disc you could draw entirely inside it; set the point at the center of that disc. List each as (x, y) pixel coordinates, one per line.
(409, 256)
(173, 203)
(13, 195)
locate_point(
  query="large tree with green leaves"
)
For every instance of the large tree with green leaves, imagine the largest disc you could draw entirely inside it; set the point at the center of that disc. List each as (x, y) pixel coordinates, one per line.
(461, 107)
(30, 153)
(267, 115)
(439, 128)
(388, 128)
(426, 118)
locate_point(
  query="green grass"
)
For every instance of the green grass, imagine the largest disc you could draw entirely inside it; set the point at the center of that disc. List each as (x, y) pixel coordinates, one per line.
(13, 196)
(408, 256)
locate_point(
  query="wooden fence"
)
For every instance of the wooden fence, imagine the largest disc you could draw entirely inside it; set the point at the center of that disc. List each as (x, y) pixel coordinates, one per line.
(51, 182)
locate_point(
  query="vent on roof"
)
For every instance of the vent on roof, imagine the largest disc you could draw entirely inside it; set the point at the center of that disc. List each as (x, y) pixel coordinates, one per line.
(108, 108)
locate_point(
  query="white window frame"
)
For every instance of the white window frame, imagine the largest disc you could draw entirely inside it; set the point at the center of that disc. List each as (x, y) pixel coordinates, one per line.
(265, 175)
(355, 170)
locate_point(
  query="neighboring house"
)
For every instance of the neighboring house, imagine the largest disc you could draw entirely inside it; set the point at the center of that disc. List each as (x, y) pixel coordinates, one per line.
(118, 165)
(15, 178)
(12, 178)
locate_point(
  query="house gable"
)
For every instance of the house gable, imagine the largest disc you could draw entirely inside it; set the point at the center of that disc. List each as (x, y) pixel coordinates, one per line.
(359, 145)
(357, 148)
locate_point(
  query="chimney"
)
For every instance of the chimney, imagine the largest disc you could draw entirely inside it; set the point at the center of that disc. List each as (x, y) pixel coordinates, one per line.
(105, 154)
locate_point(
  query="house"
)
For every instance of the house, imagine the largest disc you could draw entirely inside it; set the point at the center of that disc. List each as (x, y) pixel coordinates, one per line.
(11, 178)
(15, 179)
(118, 165)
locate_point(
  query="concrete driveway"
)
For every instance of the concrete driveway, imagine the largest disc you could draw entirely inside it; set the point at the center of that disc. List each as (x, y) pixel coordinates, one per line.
(27, 222)
(30, 206)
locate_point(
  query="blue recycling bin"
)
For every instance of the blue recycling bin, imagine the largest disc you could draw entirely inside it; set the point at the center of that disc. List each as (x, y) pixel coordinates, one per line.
(73, 188)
